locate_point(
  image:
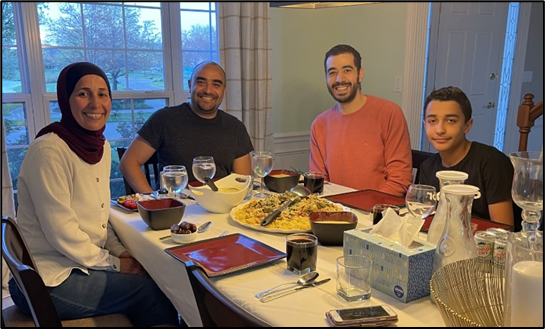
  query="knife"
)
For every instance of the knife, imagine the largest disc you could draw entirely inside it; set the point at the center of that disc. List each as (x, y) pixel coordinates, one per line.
(268, 298)
(272, 216)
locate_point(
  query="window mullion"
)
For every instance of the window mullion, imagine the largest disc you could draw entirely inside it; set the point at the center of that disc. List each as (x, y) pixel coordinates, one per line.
(173, 69)
(32, 74)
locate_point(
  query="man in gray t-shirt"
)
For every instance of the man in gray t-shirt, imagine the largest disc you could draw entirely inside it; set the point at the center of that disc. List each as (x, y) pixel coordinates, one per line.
(180, 133)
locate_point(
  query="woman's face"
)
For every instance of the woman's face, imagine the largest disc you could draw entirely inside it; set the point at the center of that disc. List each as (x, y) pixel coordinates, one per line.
(90, 102)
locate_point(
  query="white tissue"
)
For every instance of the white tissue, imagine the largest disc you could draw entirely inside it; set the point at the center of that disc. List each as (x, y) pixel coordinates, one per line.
(402, 230)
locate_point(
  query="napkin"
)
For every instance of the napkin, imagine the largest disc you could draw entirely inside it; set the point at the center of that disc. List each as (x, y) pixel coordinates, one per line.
(402, 230)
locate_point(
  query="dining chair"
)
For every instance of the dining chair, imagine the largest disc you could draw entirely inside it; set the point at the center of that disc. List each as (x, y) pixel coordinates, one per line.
(152, 162)
(527, 114)
(23, 269)
(418, 158)
(216, 309)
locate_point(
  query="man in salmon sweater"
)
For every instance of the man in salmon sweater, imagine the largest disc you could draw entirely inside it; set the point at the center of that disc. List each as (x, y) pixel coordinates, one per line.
(363, 141)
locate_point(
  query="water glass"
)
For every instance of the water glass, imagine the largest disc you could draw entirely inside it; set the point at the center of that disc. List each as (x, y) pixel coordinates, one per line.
(421, 200)
(523, 293)
(301, 252)
(262, 165)
(354, 277)
(174, 178)
(203, 167)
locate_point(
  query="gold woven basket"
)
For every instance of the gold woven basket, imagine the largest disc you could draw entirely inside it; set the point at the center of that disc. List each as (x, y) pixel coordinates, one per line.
(469, 293)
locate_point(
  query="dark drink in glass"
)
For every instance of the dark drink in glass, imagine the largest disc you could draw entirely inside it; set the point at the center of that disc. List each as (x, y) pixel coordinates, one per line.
(314, 181)
(379, 208)
(301, 252)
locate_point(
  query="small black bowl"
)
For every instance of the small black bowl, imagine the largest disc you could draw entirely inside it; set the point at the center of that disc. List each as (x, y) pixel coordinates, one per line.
(281, 180)
(161, 214)
(329, 227)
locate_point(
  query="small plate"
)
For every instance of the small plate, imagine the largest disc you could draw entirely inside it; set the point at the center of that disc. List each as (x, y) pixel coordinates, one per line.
(114, 202)
(226, 254)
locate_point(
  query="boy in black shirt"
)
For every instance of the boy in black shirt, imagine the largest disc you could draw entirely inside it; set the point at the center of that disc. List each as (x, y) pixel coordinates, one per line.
(447, 120)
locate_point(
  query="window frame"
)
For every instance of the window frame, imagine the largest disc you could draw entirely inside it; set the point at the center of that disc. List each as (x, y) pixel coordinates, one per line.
(34, 96)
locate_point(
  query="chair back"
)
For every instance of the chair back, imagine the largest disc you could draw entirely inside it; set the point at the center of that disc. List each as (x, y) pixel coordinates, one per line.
(418, 158)
(527, 114)
(17, 255)
(21, 265)
(215, 308)
(152, 162)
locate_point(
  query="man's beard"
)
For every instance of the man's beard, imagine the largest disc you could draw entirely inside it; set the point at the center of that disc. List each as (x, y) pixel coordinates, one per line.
(347, 98)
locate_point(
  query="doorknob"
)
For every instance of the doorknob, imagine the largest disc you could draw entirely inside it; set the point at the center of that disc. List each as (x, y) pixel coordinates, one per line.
(489, 105)
(493, 76)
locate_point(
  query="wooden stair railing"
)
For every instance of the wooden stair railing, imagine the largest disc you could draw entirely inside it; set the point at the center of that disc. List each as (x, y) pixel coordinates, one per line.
(527, 114)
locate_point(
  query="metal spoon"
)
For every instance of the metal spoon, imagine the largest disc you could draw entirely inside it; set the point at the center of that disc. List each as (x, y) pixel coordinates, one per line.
(300, 191)
(304, 280)
(200, 229)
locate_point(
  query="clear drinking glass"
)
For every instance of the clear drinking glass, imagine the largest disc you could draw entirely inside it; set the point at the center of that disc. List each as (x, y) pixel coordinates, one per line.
(421, 200)
(174, 178)
(527, 189)
(203, 167)
(262, 164)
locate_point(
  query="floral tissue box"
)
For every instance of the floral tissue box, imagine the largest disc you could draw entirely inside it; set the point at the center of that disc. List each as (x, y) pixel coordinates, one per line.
(401, 272)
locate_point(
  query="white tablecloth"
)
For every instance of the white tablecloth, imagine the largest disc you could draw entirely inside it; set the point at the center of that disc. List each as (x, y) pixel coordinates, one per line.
(302, 309)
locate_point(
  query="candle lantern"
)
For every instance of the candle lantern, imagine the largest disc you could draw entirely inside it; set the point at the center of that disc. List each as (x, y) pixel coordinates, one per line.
(523, 299)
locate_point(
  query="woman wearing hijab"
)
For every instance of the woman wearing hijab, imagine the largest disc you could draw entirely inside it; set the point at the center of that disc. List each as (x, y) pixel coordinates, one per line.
(64, 203)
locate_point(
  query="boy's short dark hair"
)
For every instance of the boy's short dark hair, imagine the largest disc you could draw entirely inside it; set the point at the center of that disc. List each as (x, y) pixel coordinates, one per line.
(451, 94)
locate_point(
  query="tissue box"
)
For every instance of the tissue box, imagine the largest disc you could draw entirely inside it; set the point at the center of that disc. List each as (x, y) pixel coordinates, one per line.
(401, 272)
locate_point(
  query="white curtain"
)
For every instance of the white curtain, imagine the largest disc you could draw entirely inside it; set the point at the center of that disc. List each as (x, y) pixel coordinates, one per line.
(245, 53)
(8, 205)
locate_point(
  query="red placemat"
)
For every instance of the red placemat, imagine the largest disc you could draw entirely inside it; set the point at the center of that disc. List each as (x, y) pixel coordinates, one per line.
(366, 199)
(226, 254)
(478, 224)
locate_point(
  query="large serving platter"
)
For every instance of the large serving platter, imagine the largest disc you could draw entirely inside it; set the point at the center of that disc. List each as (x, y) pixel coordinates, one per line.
(261, 228)
(269, 229)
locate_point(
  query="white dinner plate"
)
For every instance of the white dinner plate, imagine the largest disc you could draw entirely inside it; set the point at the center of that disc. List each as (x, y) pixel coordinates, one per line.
(271, 230)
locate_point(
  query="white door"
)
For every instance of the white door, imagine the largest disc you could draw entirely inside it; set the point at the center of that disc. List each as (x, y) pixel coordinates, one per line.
(469, 52)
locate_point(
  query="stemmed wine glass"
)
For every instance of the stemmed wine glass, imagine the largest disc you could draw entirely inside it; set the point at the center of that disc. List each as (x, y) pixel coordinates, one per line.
(527, 188)
(262, 164)
(204, 168)
(421, 200)
(174, 179)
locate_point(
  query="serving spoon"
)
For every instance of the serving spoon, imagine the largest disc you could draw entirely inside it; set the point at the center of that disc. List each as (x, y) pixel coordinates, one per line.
(300, 191)
(304, 280)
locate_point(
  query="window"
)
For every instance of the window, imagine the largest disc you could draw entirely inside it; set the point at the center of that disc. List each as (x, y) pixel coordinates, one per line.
(147, 54)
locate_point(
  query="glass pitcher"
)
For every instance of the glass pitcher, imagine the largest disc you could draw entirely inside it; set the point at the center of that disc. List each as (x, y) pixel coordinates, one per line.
(446, 177)
(457, 242)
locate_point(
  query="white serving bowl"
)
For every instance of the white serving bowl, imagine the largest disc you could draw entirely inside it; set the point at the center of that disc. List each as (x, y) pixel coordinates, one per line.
(183, 238)
(222, 201)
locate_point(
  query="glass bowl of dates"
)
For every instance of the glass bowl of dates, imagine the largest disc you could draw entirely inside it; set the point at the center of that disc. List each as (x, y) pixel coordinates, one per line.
(184, 232)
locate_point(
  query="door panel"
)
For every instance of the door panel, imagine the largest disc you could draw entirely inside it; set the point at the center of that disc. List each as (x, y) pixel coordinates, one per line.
(470, 43)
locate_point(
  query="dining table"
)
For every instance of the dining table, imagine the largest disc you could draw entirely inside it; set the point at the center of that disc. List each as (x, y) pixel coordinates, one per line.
(306, 308)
